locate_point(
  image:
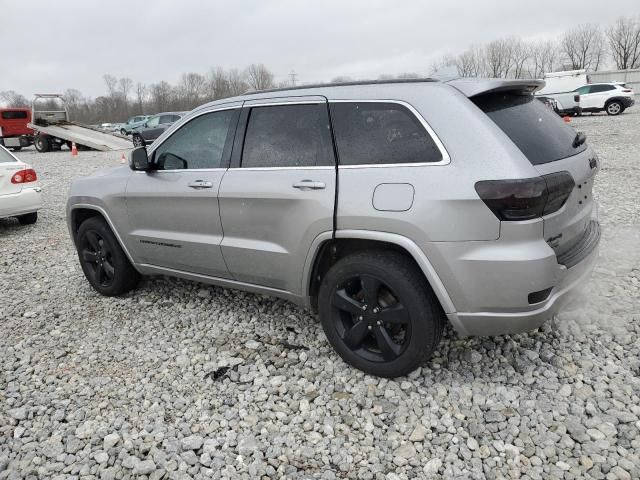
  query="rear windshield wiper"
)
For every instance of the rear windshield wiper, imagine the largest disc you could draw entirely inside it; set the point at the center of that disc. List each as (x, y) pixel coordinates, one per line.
(579, 139)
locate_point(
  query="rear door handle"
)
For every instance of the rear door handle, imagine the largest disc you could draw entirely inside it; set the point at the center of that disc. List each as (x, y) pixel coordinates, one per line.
(201, 184)
(309, 185)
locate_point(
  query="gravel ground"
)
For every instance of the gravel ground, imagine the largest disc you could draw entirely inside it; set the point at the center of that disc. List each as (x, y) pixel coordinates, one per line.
(179, 380)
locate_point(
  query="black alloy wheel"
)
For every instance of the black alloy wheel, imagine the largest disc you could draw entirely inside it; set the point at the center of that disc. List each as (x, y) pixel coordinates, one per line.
(371, 320)
(97, 257)
(379, 312)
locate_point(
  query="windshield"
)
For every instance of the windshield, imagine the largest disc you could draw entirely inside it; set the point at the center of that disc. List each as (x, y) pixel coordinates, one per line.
(535, 129)
(5, 156)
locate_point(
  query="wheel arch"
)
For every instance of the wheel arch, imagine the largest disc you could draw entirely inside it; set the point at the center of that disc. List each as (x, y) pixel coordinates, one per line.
(80, 212)
(326, 250)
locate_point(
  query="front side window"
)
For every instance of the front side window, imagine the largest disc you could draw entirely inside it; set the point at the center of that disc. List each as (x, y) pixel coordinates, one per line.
(197, 144)
(379, 133)
(288, 136)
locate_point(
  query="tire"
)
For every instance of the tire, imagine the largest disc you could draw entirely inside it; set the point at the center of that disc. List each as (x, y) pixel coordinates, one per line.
(401, 325)
(103, 261)
(28, 218)
(42, 143)
(614, 108)
(123, 131)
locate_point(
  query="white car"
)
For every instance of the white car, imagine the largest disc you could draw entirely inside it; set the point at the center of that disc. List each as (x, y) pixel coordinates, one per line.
(613, 98)
(19, 190)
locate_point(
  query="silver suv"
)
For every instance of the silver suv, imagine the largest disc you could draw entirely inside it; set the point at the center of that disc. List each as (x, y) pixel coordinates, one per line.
(387, 207)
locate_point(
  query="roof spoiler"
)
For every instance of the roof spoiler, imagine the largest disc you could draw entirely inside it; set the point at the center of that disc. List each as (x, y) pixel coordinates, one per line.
(472, 87)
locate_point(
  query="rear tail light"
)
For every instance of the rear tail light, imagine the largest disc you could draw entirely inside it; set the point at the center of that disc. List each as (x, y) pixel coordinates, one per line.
(576, 98)
(24, 176)
(627, 90)
(525, 199)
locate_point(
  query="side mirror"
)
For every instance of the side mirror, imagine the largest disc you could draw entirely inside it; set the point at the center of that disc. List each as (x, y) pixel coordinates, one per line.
(139, 159)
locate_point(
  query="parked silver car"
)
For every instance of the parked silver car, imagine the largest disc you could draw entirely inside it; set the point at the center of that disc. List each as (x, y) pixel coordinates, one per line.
(388, 207)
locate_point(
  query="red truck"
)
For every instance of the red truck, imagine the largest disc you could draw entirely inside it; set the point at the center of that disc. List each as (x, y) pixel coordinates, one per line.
(14, 132)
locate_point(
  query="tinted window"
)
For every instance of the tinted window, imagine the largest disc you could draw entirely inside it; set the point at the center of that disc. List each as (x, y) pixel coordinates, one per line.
(198, 144)
(601, 88)
(13, 115)
(583, 90)
(5, 156)
(380, 133)
(288, 136)
(166, 119)
(537, 131)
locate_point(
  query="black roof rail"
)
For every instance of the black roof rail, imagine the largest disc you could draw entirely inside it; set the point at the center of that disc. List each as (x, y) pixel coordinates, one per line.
(343, 84)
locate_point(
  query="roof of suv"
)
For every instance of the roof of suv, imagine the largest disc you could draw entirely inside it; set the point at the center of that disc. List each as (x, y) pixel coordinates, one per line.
(468, 86)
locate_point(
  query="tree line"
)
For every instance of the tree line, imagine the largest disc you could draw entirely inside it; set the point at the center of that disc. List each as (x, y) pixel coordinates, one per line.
(586, 46)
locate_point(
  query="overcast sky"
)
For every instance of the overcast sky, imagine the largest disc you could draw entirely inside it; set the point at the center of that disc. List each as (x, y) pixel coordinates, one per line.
(48, 46)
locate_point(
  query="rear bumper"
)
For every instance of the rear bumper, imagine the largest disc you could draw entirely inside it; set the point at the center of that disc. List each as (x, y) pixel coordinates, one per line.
(27, 201)
(498, 323)
(628, 102)
(513, 284)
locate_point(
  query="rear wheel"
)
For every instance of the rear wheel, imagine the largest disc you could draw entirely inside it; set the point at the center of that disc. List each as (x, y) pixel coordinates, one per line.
(28, 218)
(614, 108)
(379, 313)
(123, 131)
(103, 261)
(138, 141)
(42, 143)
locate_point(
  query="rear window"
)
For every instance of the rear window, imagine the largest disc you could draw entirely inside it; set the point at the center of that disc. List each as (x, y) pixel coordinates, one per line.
(535, 129)
(6, 157)
(14, 115)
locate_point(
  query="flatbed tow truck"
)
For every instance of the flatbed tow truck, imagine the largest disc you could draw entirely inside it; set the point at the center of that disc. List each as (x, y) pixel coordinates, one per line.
(52, 129)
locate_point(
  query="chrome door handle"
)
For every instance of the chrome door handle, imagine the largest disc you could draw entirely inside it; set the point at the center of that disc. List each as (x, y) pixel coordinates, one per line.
(309, 185)
(201, 184)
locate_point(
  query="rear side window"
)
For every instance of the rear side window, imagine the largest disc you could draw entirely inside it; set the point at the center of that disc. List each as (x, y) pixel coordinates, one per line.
(372, 133)
(6, 157)
(288, 136)
(14, 115)
(536, 130)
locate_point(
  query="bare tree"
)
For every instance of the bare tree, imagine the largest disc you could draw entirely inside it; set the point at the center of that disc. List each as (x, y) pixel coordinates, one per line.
(141, 94)
(112, 85)
(341, 79)
(14, 99)
(584, 47)
(543, 58)
(259, 77)
(161, 96)
(441, 63)
(470, 63)
(408, 75)
(192, 89)
(237, 83)
(624, 42)
(499, 58)
(520, 54)
(217, 84)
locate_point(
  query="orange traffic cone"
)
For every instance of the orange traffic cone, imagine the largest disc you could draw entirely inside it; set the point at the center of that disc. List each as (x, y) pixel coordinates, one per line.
(74, 149)
(123, 159)
(566, 119)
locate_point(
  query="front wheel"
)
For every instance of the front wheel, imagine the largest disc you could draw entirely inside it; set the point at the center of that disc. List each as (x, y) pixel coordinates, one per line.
(614, 108)
(42, 143)
(103, 261)
(379, 313)
(123, 131)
